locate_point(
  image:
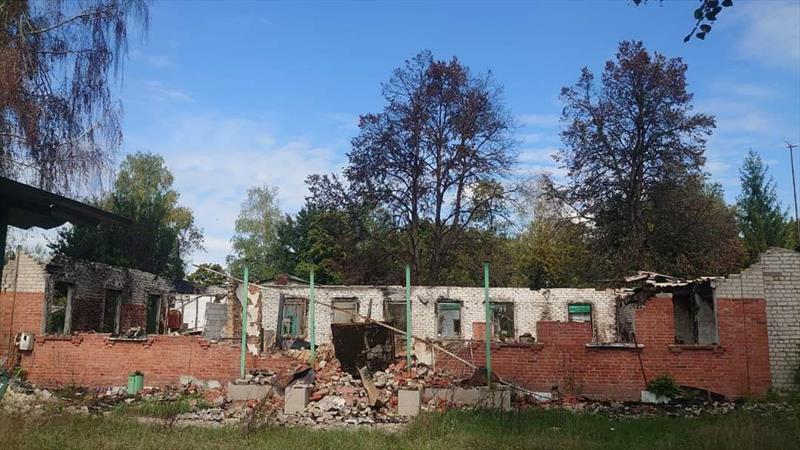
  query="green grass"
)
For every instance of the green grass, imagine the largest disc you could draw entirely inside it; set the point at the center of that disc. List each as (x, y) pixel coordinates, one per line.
(530, 429)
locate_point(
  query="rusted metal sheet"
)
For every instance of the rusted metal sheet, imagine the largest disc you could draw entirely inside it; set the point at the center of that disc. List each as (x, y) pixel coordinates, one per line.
(363, 345)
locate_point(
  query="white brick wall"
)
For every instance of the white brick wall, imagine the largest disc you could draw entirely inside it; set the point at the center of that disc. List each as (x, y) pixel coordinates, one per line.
(31, 274)
(776, 279)
(529, 306)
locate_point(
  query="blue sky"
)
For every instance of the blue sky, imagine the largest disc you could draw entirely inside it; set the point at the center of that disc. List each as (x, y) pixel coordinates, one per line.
(237, 94)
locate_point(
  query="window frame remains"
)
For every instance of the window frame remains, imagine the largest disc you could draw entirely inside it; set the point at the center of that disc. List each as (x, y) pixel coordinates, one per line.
(338, 302)
(66, 325)
(391, 317)
(496, 324)
(117, 299)
(458, 326)
(575, 310)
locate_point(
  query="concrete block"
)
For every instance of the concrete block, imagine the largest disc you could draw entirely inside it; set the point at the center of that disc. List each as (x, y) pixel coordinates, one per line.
(296, 399)
(241, 392)
(408, 402)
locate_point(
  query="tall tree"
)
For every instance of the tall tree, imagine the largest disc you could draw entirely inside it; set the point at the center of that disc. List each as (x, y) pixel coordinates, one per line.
(255, 241)
(57, 114)
(553, 250)
(692, 231)
(761, 220)
(442, 133)
(345, 238)
(163, 234)
(622, 140)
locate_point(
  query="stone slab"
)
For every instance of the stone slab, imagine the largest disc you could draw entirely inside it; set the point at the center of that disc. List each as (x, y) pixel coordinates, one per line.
(296, 399)
(408, 402)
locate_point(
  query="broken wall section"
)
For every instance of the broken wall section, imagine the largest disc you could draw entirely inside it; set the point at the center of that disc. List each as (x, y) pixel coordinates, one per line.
(104, 298)
(442, 312)
(21, 299)
(775, 278)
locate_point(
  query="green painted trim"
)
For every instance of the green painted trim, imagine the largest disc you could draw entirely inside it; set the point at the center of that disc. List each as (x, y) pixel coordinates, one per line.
(488, 324)
(245, 301)
(312, 315)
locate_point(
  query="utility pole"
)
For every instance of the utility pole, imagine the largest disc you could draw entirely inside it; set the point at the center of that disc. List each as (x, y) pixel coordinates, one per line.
(794, 189)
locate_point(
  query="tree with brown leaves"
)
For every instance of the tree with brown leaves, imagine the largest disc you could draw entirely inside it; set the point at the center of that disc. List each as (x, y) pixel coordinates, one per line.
(630, 146)
(59, 123)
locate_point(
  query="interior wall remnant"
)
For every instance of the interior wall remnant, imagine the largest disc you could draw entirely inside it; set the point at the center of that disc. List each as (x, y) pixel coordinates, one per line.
(295, 318)
(394, 313)
(684, 318)
(626, 310)
(503, 320)
(216, 318)
(694, 314)
(448, 315)
(706, 320)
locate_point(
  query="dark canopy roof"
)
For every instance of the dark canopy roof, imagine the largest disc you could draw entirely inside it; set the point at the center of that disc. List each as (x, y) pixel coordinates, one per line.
(32, 207)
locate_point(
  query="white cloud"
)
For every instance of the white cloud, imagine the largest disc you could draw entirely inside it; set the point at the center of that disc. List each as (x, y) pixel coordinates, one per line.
(157, 61)
(216, 159)
(344, 121)
(735, 113)
(770, 32)
(159, 91)
(539, 120)
(537, 155)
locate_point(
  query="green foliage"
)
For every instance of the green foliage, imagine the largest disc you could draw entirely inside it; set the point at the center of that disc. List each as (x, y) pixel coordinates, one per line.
(203, 278)
(255, 241)
(162, 234)
(664, 385)
(352, 245)
(762, 223)
(692, 232)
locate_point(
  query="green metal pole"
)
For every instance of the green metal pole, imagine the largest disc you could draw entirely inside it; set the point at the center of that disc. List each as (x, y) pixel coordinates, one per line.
(488, 327)
(409, 339)
(245, 301)
(312, 316)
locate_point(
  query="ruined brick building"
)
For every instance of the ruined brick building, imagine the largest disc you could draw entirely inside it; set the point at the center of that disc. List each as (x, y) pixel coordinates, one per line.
(736, 336)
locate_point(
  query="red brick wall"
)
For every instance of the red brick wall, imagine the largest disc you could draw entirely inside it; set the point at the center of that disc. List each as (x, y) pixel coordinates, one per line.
(27, 315)
(93, 360)
(132, 315)
(738, 366)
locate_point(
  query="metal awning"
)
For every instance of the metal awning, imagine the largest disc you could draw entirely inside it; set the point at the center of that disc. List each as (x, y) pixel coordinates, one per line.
(25, 206)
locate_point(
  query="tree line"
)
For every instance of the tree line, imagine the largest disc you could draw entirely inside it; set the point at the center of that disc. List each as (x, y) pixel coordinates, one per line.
(433, 180)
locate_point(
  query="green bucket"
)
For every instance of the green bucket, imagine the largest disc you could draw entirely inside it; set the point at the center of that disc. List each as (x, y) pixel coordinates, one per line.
(132, 384)
(139, 382)
(135, 383)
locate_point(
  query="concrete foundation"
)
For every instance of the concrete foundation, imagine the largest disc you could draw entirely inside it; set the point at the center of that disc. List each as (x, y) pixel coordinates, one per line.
(477, 397)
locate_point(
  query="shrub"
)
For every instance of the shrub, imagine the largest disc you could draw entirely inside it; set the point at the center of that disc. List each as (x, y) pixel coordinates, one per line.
(664, 386)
